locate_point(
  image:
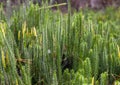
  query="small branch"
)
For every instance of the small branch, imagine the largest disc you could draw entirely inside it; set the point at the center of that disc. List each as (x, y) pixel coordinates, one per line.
(28, 61)
(55, 5)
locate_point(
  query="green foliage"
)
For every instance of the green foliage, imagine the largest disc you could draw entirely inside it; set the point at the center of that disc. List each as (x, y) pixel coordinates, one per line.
(35, 39)
(104, 79)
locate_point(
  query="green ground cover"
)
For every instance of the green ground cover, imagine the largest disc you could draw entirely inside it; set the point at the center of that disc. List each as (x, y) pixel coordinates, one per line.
(42, 47)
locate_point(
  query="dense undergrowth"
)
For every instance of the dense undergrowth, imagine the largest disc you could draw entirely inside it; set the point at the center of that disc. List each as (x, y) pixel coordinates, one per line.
(42, 47)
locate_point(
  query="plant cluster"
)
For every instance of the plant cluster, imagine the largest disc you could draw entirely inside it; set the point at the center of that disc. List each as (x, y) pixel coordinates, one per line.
(42, 47)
